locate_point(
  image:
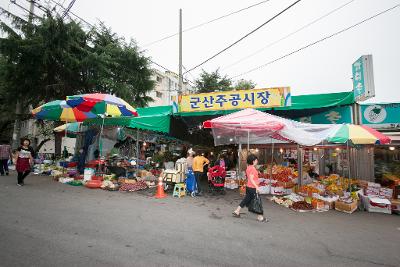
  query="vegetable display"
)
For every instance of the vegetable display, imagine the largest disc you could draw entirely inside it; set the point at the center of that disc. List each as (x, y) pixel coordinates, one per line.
(302, 205)
(140, 185)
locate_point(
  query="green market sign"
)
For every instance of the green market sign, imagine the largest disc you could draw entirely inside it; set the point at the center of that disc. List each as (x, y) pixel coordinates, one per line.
(363, 78)
(337, 115)
(381, 116)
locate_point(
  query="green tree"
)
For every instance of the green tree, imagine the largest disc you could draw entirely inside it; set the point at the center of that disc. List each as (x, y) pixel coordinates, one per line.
(244, 84)
(117, 67)
(214, 81)
(51, 59)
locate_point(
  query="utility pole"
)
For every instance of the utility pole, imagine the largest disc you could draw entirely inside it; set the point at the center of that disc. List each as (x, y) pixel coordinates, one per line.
(180, 53)
(18, 105)
(31, 10)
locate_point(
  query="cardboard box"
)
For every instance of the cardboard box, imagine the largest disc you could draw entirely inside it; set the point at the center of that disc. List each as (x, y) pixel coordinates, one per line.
(396, 193)
(370, 184)
(376, 204)
(286, 184)
(345, 207)
(330, 205)
(372, 191)
(386, 193)
(396, 206)
(277, 190)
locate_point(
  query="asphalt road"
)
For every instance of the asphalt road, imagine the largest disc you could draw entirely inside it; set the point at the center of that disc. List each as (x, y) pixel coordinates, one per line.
(46, 223)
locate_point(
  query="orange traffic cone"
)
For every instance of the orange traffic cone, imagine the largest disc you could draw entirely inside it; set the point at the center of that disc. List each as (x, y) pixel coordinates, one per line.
(160, 189)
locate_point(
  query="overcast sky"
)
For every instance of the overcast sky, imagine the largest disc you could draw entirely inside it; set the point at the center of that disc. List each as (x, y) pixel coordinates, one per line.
(323, 68)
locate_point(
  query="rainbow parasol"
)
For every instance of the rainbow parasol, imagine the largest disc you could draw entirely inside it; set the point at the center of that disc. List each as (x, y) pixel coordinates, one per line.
(358, 135)
(102, 104)
(59, 110)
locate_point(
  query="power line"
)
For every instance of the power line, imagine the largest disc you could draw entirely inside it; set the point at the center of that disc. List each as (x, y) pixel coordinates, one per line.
(68, 8)
(316, 42)
(287, 36)
(36, 3)
(70, 12)
(93, 26)
(194, 78)
(207, 22)
(245, 36)
(166, 69)
(22, 7)
(3, 10)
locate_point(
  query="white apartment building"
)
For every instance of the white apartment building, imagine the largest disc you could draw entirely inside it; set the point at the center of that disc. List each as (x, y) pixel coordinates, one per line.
(166, 89)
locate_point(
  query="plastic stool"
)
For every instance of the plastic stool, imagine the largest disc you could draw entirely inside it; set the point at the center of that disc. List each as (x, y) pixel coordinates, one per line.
(179, 190)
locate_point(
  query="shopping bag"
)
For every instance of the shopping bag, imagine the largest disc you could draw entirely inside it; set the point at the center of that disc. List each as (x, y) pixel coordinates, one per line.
(256, 205)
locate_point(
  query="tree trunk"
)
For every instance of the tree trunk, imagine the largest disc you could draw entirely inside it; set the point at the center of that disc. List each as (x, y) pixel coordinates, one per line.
(17, 126)
(44, 141)
(57, 144)
(58, 141)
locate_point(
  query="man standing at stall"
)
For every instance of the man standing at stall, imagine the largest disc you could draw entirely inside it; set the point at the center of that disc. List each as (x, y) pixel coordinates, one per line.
(5, 155)
(198, 167)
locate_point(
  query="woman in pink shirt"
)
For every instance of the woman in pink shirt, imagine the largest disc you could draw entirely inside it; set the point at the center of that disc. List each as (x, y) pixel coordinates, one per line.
(252, 187)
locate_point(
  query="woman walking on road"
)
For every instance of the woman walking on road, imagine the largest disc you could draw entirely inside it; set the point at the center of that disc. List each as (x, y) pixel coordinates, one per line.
(24, 160)
(252, 187)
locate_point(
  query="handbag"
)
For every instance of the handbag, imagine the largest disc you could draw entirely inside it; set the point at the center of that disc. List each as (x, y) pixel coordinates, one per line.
(256, 205)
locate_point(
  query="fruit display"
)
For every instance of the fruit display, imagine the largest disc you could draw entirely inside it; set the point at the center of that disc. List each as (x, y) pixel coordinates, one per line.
(110, 186)
(308, 190)
(302, 205)
(334, 188)
(109, 177)
(279, 173)
(132, 187)
(282, 201)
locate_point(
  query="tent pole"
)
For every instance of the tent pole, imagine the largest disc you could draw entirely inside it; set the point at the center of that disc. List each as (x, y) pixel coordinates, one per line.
(239, 159)
(349, 164)
(248, 143)
(272, 158)
(300, 164)
(65, 140)
(100, 141)
(137, 151)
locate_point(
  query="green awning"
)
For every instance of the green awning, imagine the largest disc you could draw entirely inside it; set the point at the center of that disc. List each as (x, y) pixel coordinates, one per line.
(154, 111)
(155, 119)
(298, 103)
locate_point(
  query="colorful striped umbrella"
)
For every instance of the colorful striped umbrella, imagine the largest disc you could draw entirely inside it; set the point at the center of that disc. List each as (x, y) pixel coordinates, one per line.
(358, 135)
(102, 104)
(59, 110)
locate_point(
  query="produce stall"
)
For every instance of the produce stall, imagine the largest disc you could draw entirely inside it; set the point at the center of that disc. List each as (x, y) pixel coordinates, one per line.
(292, 187)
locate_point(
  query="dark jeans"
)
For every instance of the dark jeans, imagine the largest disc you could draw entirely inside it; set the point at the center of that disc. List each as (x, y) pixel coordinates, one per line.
(198, 175)
(250, 195)
(3, 166)
(22, 176)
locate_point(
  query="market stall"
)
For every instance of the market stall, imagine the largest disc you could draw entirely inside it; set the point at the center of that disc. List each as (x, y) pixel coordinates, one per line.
(286, 183)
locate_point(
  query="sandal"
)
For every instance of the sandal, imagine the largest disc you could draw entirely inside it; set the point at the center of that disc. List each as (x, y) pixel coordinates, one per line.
(236, 215)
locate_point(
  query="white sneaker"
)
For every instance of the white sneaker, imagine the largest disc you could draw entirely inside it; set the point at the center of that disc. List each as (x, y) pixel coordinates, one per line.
(19, 184)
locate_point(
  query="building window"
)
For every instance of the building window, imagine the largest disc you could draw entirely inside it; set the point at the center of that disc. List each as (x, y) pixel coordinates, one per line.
(158, 94)
(159, 79)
